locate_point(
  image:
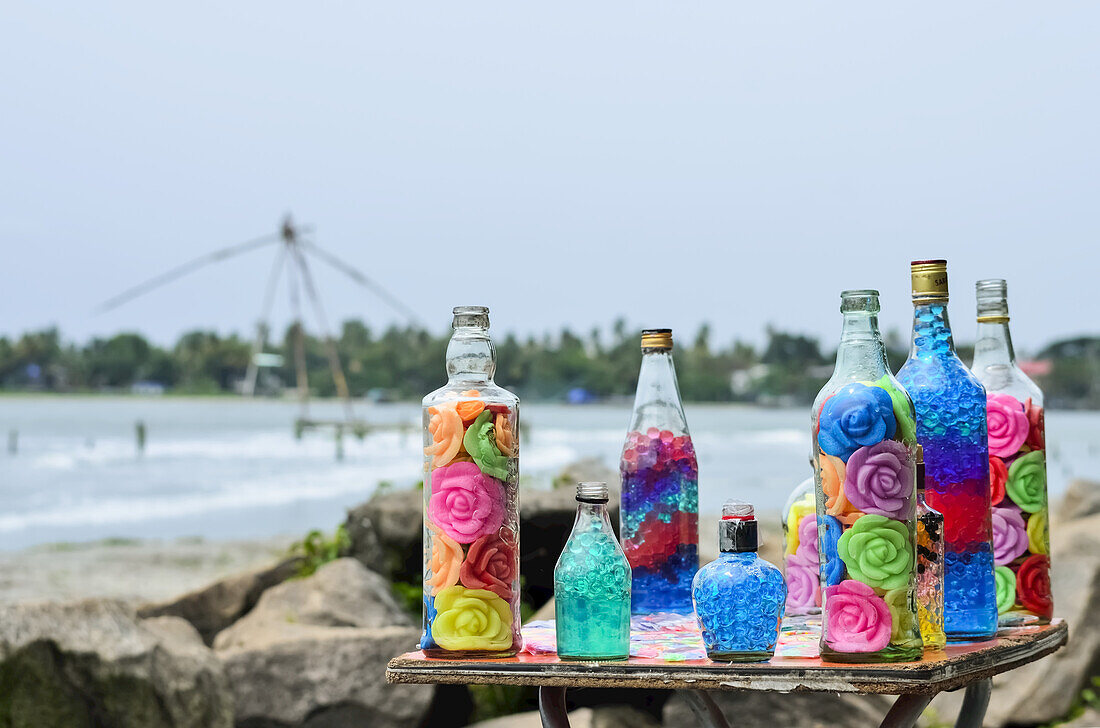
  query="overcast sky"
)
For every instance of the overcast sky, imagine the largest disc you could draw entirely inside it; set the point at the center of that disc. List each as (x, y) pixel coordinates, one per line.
(564, 163)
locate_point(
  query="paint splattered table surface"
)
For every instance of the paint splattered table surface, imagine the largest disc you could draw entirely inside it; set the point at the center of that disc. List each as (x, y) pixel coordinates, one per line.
(665, 660)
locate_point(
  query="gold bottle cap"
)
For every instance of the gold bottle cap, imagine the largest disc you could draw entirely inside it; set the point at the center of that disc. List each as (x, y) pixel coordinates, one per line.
(657, 339)
(929, 280)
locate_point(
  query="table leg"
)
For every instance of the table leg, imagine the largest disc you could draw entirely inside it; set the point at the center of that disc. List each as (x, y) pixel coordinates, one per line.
(705, 709)
(905, 711)
(974, 704)
(552, 707)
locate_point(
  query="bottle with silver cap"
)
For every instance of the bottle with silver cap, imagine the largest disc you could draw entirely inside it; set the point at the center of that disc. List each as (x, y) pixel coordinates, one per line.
(951, 427)
(592, 585)
(471, 506)
(739, 597)
(1017, 466)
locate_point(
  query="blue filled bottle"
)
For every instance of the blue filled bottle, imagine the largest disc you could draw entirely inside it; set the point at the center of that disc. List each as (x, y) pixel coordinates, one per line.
(592, 585)
(739, 597)
(951, 427)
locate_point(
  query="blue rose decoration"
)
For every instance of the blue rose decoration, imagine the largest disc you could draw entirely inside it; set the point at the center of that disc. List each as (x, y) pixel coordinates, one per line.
(855, 417)
(426, 641)
(832, 567)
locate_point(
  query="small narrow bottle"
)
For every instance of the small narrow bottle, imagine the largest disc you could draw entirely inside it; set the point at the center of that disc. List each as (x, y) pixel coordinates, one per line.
(929, 566)
(1017, 467)
(951, 426)
(592, 585)
(739, 597)
(659, 518)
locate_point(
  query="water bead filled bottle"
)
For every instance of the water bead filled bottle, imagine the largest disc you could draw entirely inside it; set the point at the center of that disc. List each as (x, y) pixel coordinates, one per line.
(1017, 467)
(592, 585)
(471, 510)
(800, 555)
(659, 517)
(864, 460)
(951, 426)
(739, 597)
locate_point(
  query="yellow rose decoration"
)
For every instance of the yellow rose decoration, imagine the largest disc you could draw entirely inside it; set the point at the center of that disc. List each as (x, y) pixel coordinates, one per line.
(447, 430)
(1037, 539)
(471, 619)
(446, 560)
(801, 507)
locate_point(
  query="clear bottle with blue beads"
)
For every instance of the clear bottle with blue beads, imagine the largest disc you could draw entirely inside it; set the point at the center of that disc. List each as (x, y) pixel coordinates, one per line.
(951, 427)
(739, 597)
(592, 585)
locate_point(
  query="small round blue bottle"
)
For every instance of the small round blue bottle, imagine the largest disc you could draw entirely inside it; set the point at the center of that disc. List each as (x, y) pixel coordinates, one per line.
(739, 597)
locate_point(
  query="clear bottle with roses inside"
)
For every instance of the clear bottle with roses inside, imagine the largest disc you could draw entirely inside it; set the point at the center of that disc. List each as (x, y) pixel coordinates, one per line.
(1017, 466)
(864, 450)
(471, 506)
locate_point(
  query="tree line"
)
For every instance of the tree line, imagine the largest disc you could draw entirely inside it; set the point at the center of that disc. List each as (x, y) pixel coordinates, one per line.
(407, 362)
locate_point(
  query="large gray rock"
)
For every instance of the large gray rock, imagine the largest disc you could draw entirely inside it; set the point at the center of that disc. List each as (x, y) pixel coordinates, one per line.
(1081, 499)
(94, 663)
(313, 652)
(218, 605)
(386, 533)
(1044, 691)
(791, 710)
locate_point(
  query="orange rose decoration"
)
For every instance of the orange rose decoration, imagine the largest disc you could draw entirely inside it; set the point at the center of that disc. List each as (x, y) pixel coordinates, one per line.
(833, 472)
(446, 560)
(447, 431)
(505, 437)
(470, 409)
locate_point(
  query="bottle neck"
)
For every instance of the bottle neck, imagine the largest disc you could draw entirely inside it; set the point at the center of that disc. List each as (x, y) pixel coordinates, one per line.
(931, 329)
(471, 357)
(588, 513)
(738, 536)
(861, 352)
(657, 401)
(993, 347)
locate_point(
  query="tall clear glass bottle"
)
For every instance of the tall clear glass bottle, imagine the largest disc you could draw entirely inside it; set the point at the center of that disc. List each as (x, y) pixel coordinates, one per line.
(592, 585)
(951, 427)
(471, 506)
(659, 515)
(1017, 465)
(929, 566)
(864, 449)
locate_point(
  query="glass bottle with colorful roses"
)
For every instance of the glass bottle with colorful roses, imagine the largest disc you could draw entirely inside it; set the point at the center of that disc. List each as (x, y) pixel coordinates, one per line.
(471, 509)
(1017, 466)
(864, 440)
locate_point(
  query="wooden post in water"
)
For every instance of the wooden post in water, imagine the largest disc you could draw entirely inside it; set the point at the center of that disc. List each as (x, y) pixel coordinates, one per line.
(13, 441)
(139, 437)
(339, 442)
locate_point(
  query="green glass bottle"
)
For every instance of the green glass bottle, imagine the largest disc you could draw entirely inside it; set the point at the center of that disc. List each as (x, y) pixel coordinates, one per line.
(592, 585)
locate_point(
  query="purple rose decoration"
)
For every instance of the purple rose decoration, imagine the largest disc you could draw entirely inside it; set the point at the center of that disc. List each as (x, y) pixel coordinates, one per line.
(879, 479)
(807, 539)
(854, 417)
(1009, 535)
(803, 588)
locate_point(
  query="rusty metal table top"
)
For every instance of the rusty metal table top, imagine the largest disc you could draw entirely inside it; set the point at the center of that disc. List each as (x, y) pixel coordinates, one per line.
(957, 666)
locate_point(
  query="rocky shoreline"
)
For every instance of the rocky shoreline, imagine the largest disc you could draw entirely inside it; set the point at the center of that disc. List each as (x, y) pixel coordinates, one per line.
(195, 633)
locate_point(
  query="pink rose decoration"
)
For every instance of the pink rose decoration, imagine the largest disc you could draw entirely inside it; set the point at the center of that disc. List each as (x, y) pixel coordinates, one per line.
(465, 503)
(803, 587)
(857, 619)
(880, 479)
(1008, 425)
(1009, 535)
(807, 540)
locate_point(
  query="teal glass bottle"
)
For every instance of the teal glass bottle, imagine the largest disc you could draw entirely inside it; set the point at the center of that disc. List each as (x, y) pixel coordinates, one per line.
(739, 597)
(592, 585)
